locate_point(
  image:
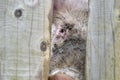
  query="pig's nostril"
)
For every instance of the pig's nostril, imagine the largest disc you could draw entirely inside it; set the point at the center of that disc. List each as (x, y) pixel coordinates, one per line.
(62, 30)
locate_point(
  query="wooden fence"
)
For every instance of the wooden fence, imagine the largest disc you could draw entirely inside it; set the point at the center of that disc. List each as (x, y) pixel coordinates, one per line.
(103, 47)
(25, 39)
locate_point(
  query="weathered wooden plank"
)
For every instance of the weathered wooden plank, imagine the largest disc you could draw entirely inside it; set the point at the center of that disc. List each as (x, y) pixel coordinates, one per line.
(21, 33)
(100, 46)
(48, 19)
(117, 40)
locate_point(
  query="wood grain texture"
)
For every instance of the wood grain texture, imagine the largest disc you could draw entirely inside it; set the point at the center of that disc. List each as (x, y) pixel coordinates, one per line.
(101, 44)
(117, 40)
(20, 38)
(48, 13)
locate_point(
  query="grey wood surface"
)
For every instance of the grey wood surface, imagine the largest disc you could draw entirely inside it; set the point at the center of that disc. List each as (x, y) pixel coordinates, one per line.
(117, 40)
(100, 63)
(20, 38)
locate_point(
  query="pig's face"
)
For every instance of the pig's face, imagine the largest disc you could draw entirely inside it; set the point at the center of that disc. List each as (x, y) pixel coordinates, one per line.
(70, 20)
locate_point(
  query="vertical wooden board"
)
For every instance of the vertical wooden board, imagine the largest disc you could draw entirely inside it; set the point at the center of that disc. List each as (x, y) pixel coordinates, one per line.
(117, 40)
(48, 14)
(20, 38)
(100, 46)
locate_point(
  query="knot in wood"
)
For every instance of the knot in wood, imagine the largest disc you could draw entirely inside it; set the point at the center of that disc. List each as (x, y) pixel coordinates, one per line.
(43, 46)
(18, 13)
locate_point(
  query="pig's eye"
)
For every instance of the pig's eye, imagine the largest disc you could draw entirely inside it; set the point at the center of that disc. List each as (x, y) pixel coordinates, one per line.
(62, 30)
(69, 26)
(66, 25)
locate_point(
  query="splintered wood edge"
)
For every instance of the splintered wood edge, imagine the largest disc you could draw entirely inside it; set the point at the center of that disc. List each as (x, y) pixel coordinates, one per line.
(48, 19)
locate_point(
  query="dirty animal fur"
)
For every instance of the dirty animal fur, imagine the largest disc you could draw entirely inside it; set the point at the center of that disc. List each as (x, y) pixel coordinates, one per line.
(69, 32)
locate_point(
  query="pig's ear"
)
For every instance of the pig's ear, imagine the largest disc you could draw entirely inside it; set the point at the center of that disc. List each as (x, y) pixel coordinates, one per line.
(58, 4)
(77, 4)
